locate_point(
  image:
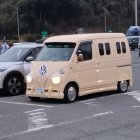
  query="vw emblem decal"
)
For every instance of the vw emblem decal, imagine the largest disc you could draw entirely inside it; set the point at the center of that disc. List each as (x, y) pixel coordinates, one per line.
(43, 70)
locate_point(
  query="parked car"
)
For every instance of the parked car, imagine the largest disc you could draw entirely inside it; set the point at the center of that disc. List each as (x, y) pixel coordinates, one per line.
(133, 34)
(14, 66)
(139, 48)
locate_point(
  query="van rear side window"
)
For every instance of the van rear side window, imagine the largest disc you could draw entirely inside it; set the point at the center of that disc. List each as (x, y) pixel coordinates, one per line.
(104, 48)
(123, 47)
(101, 48)
(107, 48)
(118, 46)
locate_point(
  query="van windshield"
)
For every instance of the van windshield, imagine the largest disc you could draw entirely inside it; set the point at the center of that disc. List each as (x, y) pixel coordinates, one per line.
(56, 52)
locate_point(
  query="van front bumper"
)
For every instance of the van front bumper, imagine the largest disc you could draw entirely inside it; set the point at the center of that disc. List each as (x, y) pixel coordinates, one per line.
(45, 94)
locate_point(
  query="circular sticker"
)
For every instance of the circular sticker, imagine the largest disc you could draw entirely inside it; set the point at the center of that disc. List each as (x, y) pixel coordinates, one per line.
(43, 70)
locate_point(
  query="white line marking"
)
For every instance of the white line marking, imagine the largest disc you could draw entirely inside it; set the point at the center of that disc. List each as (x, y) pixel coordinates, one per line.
(136, 64)
(26, 104)
(61, 123)
(137, 97)
(37, 120)
(137, 60)
(36, 113)
(34, 110)
(135, 56)
(85, 118)
(127, 93)
(88, 103)
(103, 114)
(26, 131)
(132, 92)
(135, 106)
(56, 125)
(87, 100)
(38, 129)
(14, 98)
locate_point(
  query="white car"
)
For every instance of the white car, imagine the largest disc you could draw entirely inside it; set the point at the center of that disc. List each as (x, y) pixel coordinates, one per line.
(14, 67)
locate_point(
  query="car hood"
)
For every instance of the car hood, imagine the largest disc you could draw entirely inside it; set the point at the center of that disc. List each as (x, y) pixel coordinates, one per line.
(9, 64)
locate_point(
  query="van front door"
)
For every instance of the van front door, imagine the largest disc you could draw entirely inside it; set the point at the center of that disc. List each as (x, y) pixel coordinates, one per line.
(85, 68)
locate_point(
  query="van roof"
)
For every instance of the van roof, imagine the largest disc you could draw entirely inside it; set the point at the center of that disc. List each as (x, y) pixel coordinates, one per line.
(80, 37)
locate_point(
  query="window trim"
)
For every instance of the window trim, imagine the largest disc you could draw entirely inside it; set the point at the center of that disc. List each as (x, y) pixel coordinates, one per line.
(86, 43)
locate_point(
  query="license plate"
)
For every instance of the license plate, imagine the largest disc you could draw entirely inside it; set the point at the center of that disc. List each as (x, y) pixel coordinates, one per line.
(39, 90)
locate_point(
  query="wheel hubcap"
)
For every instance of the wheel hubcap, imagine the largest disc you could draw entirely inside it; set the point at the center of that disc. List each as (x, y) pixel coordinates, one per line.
(14, 86)
(71, 93)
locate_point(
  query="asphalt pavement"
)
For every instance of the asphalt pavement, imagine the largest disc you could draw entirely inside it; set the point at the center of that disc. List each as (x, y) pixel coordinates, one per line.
(102, 116)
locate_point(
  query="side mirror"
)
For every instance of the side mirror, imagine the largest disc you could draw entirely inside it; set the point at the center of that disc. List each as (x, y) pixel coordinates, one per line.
(29, 58)
(80, 57)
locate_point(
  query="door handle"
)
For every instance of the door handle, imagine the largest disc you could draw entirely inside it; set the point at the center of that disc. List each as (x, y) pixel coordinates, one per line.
(98, 63)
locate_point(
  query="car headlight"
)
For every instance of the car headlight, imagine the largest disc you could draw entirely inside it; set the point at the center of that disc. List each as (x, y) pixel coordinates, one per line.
(56, 80)
(29, 78)
(2, 69)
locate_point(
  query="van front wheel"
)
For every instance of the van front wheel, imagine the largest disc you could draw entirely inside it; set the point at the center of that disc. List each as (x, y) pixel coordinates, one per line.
(123, 86)
(70, 93)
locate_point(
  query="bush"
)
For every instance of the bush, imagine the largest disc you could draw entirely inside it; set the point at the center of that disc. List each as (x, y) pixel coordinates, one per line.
(13, 37)
(27, 38)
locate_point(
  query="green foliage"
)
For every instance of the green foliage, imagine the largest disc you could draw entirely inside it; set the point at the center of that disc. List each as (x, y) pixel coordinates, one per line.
(12, 37)
(64, 16)
(27, 38)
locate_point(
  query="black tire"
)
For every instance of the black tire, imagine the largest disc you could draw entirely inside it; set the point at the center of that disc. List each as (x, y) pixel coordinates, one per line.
(14, 85)
(132, 48)
(70, 93)
(123, 86)
(34, 98)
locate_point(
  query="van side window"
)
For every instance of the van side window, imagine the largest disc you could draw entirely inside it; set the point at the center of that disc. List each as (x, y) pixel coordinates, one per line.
(86, 50)
(101, 48)
(123, 47)
(107, 48)
(118, 46)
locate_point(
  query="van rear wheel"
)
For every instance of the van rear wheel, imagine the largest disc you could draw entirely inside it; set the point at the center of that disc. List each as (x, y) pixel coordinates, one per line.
(70, 93)
(122, 86)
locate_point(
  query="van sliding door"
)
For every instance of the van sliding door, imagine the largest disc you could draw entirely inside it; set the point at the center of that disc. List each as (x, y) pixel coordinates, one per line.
(107, 71)
(85, 70)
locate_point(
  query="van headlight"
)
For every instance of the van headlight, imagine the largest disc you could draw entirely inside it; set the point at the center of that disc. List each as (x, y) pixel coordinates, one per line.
(29, 78)
(56, 80)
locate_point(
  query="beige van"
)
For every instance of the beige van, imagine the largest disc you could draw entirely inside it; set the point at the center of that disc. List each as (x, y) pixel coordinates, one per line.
(75, 65)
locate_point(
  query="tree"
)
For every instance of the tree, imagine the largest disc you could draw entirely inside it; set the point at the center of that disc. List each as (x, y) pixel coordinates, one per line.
(65, 16)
